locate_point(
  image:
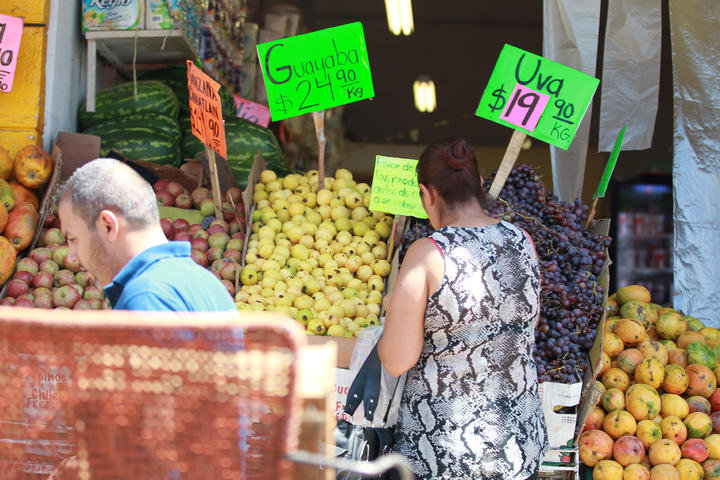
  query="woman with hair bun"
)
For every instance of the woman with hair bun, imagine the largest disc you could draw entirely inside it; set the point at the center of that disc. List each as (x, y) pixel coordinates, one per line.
(461, 321)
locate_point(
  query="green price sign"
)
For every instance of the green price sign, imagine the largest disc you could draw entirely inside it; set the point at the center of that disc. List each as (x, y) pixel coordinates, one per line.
(316, 71)
(610, 166)
(542, 98)
(395, 187)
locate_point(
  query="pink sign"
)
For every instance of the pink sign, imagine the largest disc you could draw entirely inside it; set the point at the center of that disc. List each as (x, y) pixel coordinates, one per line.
(10, 34)
(525, 108)
(252, 111)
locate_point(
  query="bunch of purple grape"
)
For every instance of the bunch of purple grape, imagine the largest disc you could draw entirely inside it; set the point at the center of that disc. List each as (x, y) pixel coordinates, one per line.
(571, 260)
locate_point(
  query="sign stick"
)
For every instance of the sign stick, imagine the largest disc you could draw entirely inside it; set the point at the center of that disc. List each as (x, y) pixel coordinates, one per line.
(592, 213)
(509, 159)
(214, 182)
(391, 244)
(319, 120)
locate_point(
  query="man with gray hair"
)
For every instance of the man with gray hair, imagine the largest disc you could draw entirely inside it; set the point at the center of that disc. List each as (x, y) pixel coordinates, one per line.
(110, 218)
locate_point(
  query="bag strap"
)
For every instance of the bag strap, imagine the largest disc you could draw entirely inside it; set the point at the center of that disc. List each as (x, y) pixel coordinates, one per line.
(365, 387)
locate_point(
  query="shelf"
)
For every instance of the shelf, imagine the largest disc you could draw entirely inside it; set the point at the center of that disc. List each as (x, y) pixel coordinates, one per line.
(145, 46)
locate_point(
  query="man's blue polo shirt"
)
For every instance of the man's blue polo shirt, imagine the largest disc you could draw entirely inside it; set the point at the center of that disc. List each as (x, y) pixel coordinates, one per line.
(165, 277)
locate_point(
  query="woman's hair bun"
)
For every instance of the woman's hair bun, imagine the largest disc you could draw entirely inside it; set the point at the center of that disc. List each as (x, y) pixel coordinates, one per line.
(457, 155)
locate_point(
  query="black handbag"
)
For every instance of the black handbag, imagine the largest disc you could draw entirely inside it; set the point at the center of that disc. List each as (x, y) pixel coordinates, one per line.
(357, 442)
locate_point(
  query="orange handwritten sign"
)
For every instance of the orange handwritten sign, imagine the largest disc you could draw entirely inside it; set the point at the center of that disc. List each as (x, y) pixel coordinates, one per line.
(206, 110)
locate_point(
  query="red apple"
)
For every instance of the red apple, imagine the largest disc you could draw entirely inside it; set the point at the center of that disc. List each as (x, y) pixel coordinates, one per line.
(54, 236)
(166, 227)
(7, 302)
(222, 223)
(59, 254)
(73, 265)
(240, 235)
(207, 207)
(175, 189)
(180, 224)
(200, 234)
(235, 226)
(78, 288)
(93, 293)
(66, 296)
(27, 264)
(232, 254)
(23, 275)
(82, 305)
(96, 304)
(61, 308)
(183, 201)
(84, 279)
(161, 185)
(23, 302)
(214, 253)
(40, 254)
(106, 304)
(235, 244)
(41, 292)
(28, 296)
(180, 236)
(200, 194)
(227, 272)
(64, 277)
(16, 288)
(229, 216)
(51, 221)
(230, 287)
(165, 199)
(217, 265)
(219, 240)
(199, 243)
(43, 301)
(194, 228)
(235, 193)
(199, 256)
(43, 279)
(49, 266)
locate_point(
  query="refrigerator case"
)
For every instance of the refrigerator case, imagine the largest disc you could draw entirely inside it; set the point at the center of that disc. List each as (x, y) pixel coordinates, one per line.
(642, 232)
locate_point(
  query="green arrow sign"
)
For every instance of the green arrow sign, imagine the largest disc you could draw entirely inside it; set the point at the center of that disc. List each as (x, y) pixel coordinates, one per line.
(395, 187)
(316, 71)
(542, 98)
(610, 166)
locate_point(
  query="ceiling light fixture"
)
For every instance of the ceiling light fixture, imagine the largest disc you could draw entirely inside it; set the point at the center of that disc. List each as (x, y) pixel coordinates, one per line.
(399, 16)
(424, 92)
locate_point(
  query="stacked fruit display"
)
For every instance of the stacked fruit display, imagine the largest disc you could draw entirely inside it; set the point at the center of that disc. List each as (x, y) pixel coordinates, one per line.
(21, 178)
(660, 409)
(48, 278)
(317, 255)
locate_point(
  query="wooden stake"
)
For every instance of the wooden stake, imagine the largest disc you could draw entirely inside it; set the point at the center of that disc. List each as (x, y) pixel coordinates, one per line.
(319, 120)
(391, 244)
(509, 159)
(591, 215)
(214, 181)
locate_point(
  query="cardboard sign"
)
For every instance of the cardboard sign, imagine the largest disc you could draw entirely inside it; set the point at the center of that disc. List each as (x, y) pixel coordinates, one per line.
(10, 34)
(610, 166)
(206, 109)
(542, 98)
(251, 111)
(395, 187)
(316, 71)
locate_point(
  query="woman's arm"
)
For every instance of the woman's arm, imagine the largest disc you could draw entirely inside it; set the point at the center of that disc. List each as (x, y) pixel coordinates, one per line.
(403, 335)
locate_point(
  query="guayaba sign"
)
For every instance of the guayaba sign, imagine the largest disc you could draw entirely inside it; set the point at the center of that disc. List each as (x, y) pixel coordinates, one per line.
(395, 187)
(316, 71)
(542, 98)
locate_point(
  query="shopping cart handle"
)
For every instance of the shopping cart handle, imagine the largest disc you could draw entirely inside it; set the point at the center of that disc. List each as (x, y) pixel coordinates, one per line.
(365, 468)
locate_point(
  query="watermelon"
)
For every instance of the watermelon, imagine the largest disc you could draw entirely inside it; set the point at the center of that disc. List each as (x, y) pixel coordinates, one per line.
(176, 77)
(118, 101)
(244, 139)
(161, 122)
(142, 143)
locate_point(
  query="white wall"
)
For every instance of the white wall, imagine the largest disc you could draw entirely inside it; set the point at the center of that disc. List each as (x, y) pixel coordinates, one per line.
(64, 69)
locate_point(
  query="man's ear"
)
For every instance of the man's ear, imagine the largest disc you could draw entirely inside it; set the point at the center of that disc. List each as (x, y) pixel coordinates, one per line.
(108, 225)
